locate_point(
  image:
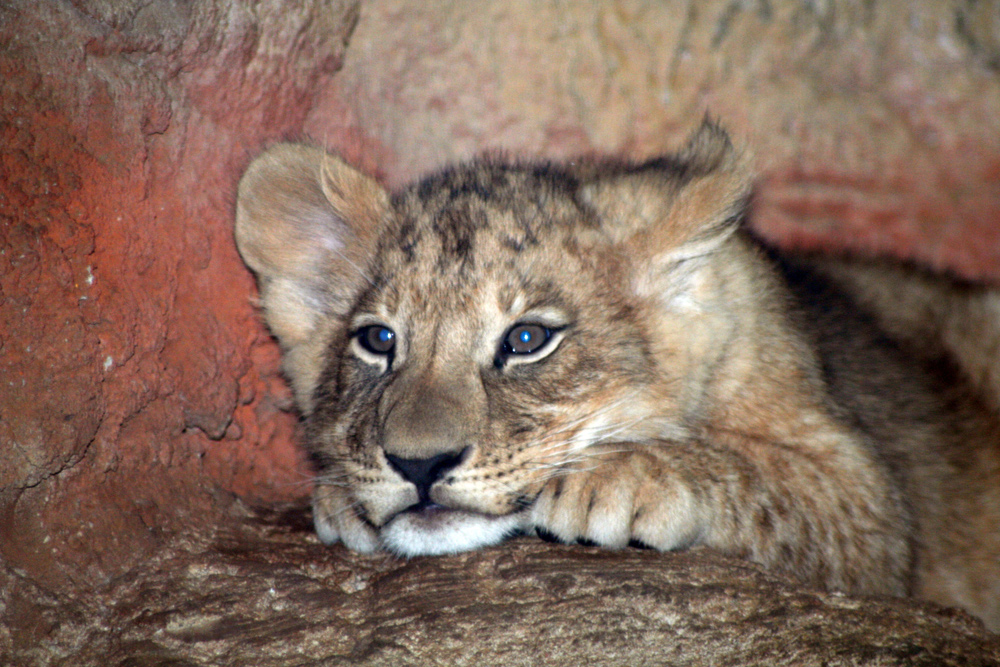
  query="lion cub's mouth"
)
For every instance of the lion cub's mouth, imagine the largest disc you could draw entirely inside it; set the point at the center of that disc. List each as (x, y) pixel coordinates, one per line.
(429, 529)
(429, 514)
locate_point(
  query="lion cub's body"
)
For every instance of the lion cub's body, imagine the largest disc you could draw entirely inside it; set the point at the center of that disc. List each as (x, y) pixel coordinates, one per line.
(602, 354)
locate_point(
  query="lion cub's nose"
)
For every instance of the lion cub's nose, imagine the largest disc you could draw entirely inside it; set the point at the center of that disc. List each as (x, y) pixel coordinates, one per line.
(424, 472)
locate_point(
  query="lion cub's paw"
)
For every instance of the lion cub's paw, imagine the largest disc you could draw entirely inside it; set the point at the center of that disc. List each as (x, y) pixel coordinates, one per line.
(336, 521)
(620, 494)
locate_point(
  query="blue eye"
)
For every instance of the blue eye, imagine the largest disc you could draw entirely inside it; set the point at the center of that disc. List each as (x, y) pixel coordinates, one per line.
(526, 338)
(377, 339)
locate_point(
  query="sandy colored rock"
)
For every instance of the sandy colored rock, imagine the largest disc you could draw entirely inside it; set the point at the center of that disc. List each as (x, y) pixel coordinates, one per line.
(874, 125)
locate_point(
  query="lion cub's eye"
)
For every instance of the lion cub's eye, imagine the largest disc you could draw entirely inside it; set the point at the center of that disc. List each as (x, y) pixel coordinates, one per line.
(527, 343)
(526, 339)
(377, 339)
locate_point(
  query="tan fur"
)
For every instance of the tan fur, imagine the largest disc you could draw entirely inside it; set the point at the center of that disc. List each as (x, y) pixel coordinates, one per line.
(290, 209)
(834, 421)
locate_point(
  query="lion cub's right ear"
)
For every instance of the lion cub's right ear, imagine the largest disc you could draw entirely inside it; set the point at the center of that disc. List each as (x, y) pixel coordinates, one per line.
(306, 224)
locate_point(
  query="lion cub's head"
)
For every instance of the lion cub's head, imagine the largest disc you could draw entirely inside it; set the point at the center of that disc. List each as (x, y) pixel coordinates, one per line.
(457, 344)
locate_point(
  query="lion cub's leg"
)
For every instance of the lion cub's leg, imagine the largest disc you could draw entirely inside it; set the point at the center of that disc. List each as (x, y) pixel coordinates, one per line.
(817, 518)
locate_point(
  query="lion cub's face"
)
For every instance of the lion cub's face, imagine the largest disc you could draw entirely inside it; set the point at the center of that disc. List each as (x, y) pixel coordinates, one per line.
(460, 344)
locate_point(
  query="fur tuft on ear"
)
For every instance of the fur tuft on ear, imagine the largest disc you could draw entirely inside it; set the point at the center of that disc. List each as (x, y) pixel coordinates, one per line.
(306, 224)
(678, 207)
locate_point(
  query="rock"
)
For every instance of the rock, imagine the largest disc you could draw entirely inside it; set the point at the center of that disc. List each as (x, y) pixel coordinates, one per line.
(266, 593)
(135, 374)
(874, 125)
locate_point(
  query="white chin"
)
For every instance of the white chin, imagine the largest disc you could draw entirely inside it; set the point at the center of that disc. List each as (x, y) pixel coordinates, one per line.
(438, 531)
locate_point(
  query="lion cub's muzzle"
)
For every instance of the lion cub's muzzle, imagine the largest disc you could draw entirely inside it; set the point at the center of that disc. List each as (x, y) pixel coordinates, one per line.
(432, 416)
(429, 528)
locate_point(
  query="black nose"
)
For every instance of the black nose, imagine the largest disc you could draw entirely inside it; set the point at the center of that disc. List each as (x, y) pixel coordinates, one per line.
(424, 472)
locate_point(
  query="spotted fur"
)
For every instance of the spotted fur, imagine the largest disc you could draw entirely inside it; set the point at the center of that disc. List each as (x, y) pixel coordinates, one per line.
(599, 352)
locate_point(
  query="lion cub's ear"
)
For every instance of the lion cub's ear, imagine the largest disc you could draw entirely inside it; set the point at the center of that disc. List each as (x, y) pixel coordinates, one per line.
(305, 224)
(667, 211)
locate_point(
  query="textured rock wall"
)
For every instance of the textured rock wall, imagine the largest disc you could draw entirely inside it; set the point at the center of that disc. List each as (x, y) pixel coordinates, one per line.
(128, 333)
(874, 124)
(138, 392)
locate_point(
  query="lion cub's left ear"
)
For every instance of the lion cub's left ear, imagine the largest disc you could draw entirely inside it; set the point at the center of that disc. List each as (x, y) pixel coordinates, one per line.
(667, 211)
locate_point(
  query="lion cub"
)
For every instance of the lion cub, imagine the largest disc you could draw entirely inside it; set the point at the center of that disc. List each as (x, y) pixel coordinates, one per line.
(602, 353)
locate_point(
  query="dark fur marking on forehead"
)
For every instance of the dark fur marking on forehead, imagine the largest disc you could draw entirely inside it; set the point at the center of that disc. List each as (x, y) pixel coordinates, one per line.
(458, 204)
(457, 227)
(482, 179)
(517, 245)
(479, 190)
(502, 185)
(407, 240)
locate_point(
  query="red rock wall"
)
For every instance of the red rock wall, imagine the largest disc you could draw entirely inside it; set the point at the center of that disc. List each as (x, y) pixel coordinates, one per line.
(138, 392)
(135, 379)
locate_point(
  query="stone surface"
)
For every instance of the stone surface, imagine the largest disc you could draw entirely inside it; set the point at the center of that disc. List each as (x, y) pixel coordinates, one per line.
(139, 394)
(266, 593)
(874, 125)
(136, 380)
